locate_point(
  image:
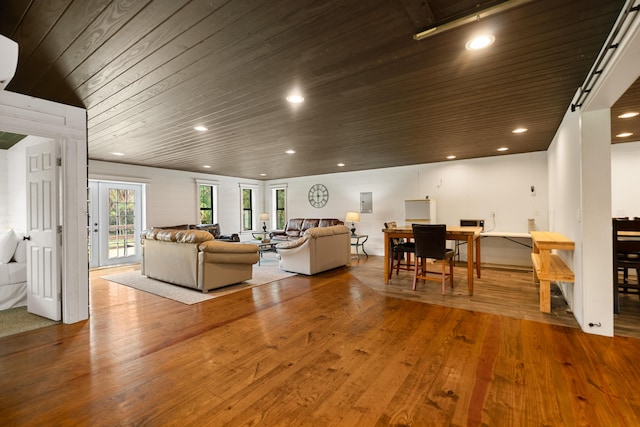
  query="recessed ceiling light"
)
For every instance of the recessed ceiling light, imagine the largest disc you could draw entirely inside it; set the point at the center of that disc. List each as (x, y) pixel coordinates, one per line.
(290, 152)
(451, 157)
(520, 130)
(263, 174)
(201, 128)
(207, 166)
(118, 154)
(503, 148)
(295, 99)
(624, 134)
(628, 115)
(341, 165)
(480, 42)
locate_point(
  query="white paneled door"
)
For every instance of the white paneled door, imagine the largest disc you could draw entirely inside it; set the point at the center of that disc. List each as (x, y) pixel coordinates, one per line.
(43, 266)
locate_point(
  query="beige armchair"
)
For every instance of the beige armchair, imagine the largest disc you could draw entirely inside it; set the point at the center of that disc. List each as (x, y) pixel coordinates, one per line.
(319, 249)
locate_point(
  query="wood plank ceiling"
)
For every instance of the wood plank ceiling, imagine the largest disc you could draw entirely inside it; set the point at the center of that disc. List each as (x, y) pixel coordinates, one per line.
(148, 71)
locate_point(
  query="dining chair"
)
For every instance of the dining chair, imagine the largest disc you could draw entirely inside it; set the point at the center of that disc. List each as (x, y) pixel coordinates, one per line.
(626, 256)
(431, 244)
(400, 249)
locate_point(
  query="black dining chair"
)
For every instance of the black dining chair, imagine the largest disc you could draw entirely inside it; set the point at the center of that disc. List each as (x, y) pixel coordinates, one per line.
(400, 249)
(431, 243)
(626, 256)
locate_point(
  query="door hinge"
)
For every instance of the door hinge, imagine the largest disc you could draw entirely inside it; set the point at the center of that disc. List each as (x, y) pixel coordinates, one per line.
(59, 161)
(59, 229)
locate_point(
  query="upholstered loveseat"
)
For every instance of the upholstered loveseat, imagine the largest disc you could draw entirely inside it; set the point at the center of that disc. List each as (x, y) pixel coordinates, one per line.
(296, 227)
(192, 258)
(319, 249)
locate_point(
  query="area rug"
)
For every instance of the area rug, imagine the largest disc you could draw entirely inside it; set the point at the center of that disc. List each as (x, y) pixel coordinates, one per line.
(267, 272)
(16, 320)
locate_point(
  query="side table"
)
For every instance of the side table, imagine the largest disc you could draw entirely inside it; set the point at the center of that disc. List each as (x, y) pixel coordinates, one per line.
(358, 241)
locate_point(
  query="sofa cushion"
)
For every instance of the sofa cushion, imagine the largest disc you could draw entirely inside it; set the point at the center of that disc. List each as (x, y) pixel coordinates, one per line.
(193, 236)
(215, 246)
(8, 244)
(214, 229)
(164, 235)
(328, 222)
(294, 227)
(327, 231)
(290, 244)
(309, 223)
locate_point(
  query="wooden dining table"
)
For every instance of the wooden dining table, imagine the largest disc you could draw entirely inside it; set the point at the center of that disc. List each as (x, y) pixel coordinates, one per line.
(465, 233)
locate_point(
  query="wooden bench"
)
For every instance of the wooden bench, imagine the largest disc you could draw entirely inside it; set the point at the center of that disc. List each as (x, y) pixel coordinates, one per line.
(549, 267)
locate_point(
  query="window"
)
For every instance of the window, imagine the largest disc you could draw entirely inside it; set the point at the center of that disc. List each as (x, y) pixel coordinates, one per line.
(248, 205)
(208, 202)
(278, 202)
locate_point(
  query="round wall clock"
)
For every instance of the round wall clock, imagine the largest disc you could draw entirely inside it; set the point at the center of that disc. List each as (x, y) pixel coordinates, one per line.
(318, 195)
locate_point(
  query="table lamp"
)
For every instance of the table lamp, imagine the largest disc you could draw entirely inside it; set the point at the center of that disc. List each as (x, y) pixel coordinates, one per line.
(264, 217)
(353, 217)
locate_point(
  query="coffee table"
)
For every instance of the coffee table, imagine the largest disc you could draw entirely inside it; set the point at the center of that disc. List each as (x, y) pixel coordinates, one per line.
(264, 246)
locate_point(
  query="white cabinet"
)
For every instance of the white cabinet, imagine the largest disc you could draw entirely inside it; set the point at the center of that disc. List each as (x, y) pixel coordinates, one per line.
(421, 211)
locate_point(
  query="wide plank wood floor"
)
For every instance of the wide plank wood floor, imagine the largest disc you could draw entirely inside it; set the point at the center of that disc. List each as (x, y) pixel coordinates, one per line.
(322, 350)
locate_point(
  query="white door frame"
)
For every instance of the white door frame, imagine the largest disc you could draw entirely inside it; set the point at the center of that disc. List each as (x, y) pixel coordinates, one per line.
(99, 222)
(32, 116)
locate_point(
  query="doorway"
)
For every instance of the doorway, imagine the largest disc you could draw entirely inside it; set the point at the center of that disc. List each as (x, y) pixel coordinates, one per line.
(115, 219)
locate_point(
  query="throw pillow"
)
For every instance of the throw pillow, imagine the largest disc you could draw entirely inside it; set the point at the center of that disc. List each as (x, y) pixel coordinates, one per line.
(21, 252)
(8, 243)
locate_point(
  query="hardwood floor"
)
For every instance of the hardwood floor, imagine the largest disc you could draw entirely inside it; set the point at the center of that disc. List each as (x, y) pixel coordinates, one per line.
(507, 292)
(321, 350)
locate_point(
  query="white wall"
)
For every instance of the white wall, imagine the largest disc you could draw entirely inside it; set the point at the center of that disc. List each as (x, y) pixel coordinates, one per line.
(171, 196)
(462, 189)
(4, 194)
(625, 176)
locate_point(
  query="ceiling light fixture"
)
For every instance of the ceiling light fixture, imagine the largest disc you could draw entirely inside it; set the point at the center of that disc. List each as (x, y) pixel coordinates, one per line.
(628, 115)
(295, 99)
(480, 42)
(206, 166)
(341, 165)
(519, 130)
(201, 128)
(502, 7)
(263, 174)
(624, 134)
(118, 154)
(503, 148)
(290, 152)
(451, 157)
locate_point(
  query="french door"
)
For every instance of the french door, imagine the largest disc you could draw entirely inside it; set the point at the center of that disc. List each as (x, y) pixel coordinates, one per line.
(115, 223)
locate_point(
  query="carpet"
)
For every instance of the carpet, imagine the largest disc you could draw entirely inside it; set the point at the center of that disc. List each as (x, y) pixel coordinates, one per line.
(16, 320)
(267, 272)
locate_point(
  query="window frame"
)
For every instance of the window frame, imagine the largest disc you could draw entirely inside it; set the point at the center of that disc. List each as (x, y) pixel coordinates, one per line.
(274, 206)
(214, 185)
(252, 209)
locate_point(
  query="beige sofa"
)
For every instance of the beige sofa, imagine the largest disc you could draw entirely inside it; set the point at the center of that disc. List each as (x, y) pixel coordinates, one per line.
(192, 258)
(319, 249)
